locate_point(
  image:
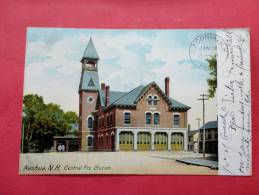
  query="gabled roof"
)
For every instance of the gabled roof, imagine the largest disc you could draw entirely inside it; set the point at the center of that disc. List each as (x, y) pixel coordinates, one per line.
(129, 98)
(132, 97)
(210, 125)
(114, 95)
(172, 103)
(90, 51)
(178, 105)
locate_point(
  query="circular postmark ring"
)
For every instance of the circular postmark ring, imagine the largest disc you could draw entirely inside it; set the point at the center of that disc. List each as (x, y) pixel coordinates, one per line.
(206, 45)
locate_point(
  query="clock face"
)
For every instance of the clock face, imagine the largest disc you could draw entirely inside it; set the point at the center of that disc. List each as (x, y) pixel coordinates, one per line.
(90, 99)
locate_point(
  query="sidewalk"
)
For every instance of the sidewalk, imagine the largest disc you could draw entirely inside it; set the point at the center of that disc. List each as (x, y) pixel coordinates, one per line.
(207, 162)
(190, 158)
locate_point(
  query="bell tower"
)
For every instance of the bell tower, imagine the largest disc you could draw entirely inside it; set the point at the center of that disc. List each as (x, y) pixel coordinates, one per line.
(88, 92)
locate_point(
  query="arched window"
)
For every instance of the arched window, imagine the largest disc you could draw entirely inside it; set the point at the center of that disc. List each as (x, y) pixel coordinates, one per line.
(103, 121)
(111, 119)
(90, 141)
(107, 140)
(155, 99)
(150, 100)
(90, 122)
(148, 118)
(108, 120)
(99, 123)
(156, 119)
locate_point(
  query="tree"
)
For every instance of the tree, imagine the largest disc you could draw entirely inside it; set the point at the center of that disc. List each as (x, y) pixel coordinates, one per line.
(41, 122)
(48, 123)
(72, 119)
(32, 104)
(212, 80)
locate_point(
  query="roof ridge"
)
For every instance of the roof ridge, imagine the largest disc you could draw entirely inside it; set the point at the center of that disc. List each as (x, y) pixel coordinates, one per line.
(118, 91)
(153, 83)
(144, 88)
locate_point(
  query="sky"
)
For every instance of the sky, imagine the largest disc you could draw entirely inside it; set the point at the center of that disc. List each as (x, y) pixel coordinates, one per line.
(128, 58)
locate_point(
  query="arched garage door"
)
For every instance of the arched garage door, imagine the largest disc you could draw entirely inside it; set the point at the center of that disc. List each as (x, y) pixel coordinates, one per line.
(161, 141)
(177, 142)
(126, 141)
(144, 141)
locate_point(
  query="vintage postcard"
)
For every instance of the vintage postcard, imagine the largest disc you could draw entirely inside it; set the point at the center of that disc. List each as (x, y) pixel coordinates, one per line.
(132, 101)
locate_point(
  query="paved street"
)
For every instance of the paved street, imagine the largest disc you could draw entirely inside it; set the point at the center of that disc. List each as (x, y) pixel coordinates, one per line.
(111, 162)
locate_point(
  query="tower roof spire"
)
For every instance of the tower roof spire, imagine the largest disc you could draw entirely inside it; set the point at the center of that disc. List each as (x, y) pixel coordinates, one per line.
(90, 51)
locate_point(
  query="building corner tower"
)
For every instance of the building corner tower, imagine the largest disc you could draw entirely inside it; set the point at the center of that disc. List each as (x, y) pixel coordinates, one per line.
(88, 94)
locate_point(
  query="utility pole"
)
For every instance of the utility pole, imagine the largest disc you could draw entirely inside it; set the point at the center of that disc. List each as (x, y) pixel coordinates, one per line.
(203, 98)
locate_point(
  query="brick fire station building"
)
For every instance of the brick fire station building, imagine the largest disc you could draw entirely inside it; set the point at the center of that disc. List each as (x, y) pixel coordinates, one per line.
(145, 118)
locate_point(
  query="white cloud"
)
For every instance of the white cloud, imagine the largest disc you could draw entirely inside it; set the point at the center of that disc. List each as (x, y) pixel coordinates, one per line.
(53, 70)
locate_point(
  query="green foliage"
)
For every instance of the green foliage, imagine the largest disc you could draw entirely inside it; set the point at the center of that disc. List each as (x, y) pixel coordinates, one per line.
(212, 80)
(72, 119)
(43, 121)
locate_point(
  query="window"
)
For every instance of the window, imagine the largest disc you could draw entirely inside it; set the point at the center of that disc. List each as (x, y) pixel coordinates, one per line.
(148, 118)
(90, 99)
(107, 139)
(150, 100)
(90, 122)
(127, 118)
(99, 123)
(102, 121)
(176, 120)
(107, 120)
(156, 119)
(155, 99)
(111, 119)
(90, 141)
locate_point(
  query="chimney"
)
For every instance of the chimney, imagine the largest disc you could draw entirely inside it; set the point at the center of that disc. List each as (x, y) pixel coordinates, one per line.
(167, 86)
(103, 86)
(107, 95)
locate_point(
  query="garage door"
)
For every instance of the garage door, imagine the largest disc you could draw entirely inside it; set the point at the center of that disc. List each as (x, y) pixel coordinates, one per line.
(177, 142)
(160, 141)
(126, 141)
(144, 141)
